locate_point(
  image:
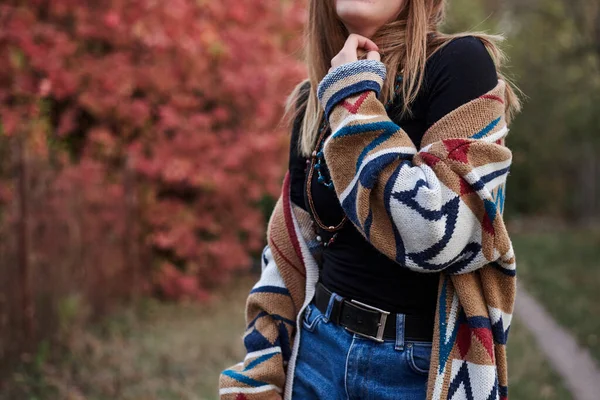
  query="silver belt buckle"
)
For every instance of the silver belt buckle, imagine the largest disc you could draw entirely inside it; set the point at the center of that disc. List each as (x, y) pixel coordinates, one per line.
(380, 325)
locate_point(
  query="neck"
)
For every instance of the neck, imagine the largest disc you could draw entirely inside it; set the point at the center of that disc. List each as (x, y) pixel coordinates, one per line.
(365, 31)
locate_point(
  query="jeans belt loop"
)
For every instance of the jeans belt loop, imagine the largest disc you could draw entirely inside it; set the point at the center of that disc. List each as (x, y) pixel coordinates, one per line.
(400, 319)
(332, 299)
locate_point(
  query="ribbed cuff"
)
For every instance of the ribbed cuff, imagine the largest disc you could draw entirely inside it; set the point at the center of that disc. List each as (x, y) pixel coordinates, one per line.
(350, 79)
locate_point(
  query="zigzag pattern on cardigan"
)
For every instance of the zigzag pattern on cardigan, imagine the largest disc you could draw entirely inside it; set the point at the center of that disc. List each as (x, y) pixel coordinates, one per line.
(438, 208)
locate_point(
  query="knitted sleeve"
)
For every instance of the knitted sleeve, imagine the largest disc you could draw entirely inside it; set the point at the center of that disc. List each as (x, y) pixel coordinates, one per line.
(270, 321)
(442, 204)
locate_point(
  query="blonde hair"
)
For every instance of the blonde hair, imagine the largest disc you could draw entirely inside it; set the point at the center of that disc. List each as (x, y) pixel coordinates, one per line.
(405, 45)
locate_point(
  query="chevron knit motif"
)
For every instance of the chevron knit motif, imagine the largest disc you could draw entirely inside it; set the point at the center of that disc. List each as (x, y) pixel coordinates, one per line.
(433, 209)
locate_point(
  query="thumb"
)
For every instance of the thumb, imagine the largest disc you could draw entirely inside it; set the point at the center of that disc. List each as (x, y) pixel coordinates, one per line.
(373, 55)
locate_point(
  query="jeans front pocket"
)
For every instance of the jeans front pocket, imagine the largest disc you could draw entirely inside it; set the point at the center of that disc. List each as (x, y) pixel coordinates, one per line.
(419, 357)
(312, 317)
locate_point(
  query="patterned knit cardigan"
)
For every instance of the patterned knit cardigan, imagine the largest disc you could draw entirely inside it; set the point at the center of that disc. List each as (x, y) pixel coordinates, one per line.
(433, 209)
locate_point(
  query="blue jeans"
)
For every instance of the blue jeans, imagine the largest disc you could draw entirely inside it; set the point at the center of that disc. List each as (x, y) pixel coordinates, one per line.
(334, 363)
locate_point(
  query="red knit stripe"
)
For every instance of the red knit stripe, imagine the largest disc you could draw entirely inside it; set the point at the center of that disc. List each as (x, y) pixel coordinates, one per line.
(353, 108)
(287, 212)
(286, 259)
(492, 97)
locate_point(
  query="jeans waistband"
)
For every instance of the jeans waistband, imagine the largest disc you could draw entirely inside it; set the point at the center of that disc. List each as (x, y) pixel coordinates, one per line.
(372, 322)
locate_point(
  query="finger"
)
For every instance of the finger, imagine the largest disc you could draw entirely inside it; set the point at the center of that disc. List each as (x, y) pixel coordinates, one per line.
(355, 42)
(365, 43)
(373, 55)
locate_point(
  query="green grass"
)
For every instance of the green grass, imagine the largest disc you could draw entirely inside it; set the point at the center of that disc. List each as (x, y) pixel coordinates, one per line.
(561, 268)
(530, 377)
(168, 352)
(156, 351)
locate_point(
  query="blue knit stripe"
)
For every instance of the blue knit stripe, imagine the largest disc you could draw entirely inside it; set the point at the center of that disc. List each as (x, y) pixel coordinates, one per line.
(477, 185)
(490, 209)
(283, 340)
(260, 360)
(498, 332)
(499, 198)
(349, 130)
(271, 289)
(350, 69)
(446, 345)
(350, 90)
(408, 197)
(256, 341)
(277, 317)
(481, 182)
(462, 379)
(494, 393)
(265, 260)
(274, 316)
(258, 316)
(443, 326)
(369, 174)
(507, 272)
(385, 135)
(493, 175)
(486, 130)
(243, 378)
(461, 261)
(480, 322)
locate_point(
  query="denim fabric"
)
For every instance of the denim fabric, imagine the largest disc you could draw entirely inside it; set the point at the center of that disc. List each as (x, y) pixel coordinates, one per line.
(336, 364)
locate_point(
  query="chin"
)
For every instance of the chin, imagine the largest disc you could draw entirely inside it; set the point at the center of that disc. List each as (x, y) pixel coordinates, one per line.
(366, 15)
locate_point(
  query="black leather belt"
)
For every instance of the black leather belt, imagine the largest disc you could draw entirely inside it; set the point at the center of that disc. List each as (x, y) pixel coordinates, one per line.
(372, 322)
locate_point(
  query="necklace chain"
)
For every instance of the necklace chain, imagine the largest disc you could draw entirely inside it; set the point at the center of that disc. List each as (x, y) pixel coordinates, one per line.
(309, 184)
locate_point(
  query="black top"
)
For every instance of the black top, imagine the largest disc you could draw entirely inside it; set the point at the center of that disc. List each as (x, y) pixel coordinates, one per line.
(461, 71)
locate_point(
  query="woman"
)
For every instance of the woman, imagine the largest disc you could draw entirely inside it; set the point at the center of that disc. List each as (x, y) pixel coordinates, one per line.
(389, 273)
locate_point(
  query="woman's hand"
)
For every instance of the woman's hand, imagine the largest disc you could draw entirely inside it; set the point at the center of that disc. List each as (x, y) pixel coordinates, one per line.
(349, 52)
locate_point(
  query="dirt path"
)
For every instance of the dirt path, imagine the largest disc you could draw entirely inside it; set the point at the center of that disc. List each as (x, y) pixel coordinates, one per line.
(574, 364)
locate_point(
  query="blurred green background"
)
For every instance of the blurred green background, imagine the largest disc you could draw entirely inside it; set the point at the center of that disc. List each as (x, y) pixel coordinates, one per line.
(129, 130)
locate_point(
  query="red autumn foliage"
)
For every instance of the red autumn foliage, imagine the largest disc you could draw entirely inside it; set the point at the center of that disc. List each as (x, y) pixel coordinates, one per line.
(186, 93)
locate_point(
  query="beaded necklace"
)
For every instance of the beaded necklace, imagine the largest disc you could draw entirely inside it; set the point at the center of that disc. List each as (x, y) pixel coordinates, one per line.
(317, 163)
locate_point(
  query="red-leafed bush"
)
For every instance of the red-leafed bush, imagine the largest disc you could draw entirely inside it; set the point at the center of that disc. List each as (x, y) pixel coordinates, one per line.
(186, 93)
